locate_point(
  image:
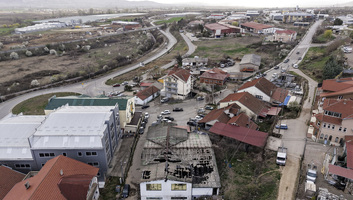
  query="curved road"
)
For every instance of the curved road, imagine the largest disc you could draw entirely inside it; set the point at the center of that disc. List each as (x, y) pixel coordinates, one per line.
(90, 87)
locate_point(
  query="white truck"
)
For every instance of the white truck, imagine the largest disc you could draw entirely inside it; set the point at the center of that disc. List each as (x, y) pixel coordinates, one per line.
(311, 174)
(281, 156)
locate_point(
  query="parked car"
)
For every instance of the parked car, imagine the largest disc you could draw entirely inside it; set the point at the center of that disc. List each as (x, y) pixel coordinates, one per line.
(200, 110)
(311, 173)
(299, 58)
(274, 75)
(200, 98)
(286, 60)
(116, 85)
(177, 109)
(165, 99)
(145, 106)
(126, 191)
(209, 107)
(125, 83)
(141, 130)
(198, 117)
(297, 52)
(295, 66)
(147, 115)
(169, 118)
(191, 123)
(165, 112)
(282, 126)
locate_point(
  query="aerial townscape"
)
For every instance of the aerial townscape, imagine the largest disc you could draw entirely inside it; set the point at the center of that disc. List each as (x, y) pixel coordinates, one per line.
(154, 100)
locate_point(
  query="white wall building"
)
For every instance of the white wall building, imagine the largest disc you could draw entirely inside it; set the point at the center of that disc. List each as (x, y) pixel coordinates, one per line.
(177, 84)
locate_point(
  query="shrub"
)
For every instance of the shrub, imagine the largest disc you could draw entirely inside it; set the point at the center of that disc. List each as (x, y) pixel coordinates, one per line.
(34, 83)
(14, 56)
(52, 52)
(29, 53)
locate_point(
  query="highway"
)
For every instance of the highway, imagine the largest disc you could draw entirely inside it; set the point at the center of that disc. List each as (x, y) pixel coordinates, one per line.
(91, 87)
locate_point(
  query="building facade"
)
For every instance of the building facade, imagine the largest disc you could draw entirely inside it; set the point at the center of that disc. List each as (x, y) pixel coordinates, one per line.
(177, 84)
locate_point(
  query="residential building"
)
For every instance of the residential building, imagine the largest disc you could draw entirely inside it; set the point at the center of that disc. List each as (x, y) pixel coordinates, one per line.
(252, 13)
(9, 178)
(242, 134)
(177, 165)
(264, 90)
(195, 62)
(337, 89)
(126, 105)
(298, 17)
(89, 134)
(214, 76)
(60, 178)
(254, 27)
(250, 62)
(177, 83)
(285, 36)
(335, 122)
(146, 95)
(249, 104)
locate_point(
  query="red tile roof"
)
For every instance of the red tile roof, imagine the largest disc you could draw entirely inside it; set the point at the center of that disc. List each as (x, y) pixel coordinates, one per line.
(144, 94)
(243, 120)
(343, 106)
(75, 186)
(274, 111)
(249, 101)
(286, 31)
(349, 146)
(215, 74)
(215, 115)
(144, 84)
(328, 119)
(340, 171)
(338, 93)
(334, 85)
(279, 94)
(44, 185)
(183, 74)
(242, 134)
(255, 25)
(262, 84)
(8, 179)
(216, 26)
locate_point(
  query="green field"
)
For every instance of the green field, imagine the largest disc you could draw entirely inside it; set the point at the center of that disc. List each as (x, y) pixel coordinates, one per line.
(6, 31)
(171, 20)
(314, 62)
(36, 105)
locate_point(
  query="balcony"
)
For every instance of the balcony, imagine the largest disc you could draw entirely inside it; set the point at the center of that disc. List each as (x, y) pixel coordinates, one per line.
(171, 85)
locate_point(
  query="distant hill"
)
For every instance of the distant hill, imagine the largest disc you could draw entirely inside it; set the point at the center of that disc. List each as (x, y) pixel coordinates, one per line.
(348, 4)
(78, 4)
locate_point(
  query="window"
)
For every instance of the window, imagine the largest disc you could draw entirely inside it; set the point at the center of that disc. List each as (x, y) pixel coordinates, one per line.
(22, 166)
(258, 96)
(329, 126)
(330, 138)
(79, 154)
(318, 123)
(91, 153)
(46, 154)
(156, 186)
(336, 140)
(340, 128)
(179, 198)
(64, 154)
(333, 126)
(43, 164)
(324, 125)
(95, 164)
(345, 130)
(178, 186)
(340, 97)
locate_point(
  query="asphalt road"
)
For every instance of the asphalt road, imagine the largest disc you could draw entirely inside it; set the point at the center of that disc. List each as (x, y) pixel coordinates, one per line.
(91, 87)
(295, 137)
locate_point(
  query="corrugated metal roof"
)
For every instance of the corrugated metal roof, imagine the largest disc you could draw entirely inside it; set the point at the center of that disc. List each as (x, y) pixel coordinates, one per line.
(242, 134)
(57, 102)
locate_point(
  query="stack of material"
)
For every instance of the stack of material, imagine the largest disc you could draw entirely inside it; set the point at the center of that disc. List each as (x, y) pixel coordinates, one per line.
(324, 194)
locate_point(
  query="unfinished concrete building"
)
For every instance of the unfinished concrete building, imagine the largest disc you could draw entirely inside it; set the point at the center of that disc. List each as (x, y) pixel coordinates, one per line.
(177, 164)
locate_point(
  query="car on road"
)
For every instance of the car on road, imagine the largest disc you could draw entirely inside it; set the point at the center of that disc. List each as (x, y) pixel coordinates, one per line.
(295, 66)
(116, 85)
(165, 100)
(276, 67)
(147, 115)
(282, 126)
(178, 109)
(165, 112)
(125, 83)
(209, 107)
(169, 118)
(298, 52)
(274, 75)
(299, 58)
(141, 130)
(286, 60)
(126, 191)
(200, 98)
(145, 106)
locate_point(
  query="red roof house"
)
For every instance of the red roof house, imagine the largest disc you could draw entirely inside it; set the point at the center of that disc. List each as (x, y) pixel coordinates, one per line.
(338, 88)
(146, 95)
(254, 27)
(8, 178)
(60, 178)
(285, 36)
(214, 76)
(242, 134)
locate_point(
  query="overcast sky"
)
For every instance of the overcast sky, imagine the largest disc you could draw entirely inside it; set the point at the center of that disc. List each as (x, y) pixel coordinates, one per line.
(258, 3)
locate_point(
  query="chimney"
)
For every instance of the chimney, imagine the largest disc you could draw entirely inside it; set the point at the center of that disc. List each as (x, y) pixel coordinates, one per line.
(27, 185)
(61, 172)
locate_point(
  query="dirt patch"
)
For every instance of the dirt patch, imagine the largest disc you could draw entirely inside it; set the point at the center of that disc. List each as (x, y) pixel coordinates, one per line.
(74, 60)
